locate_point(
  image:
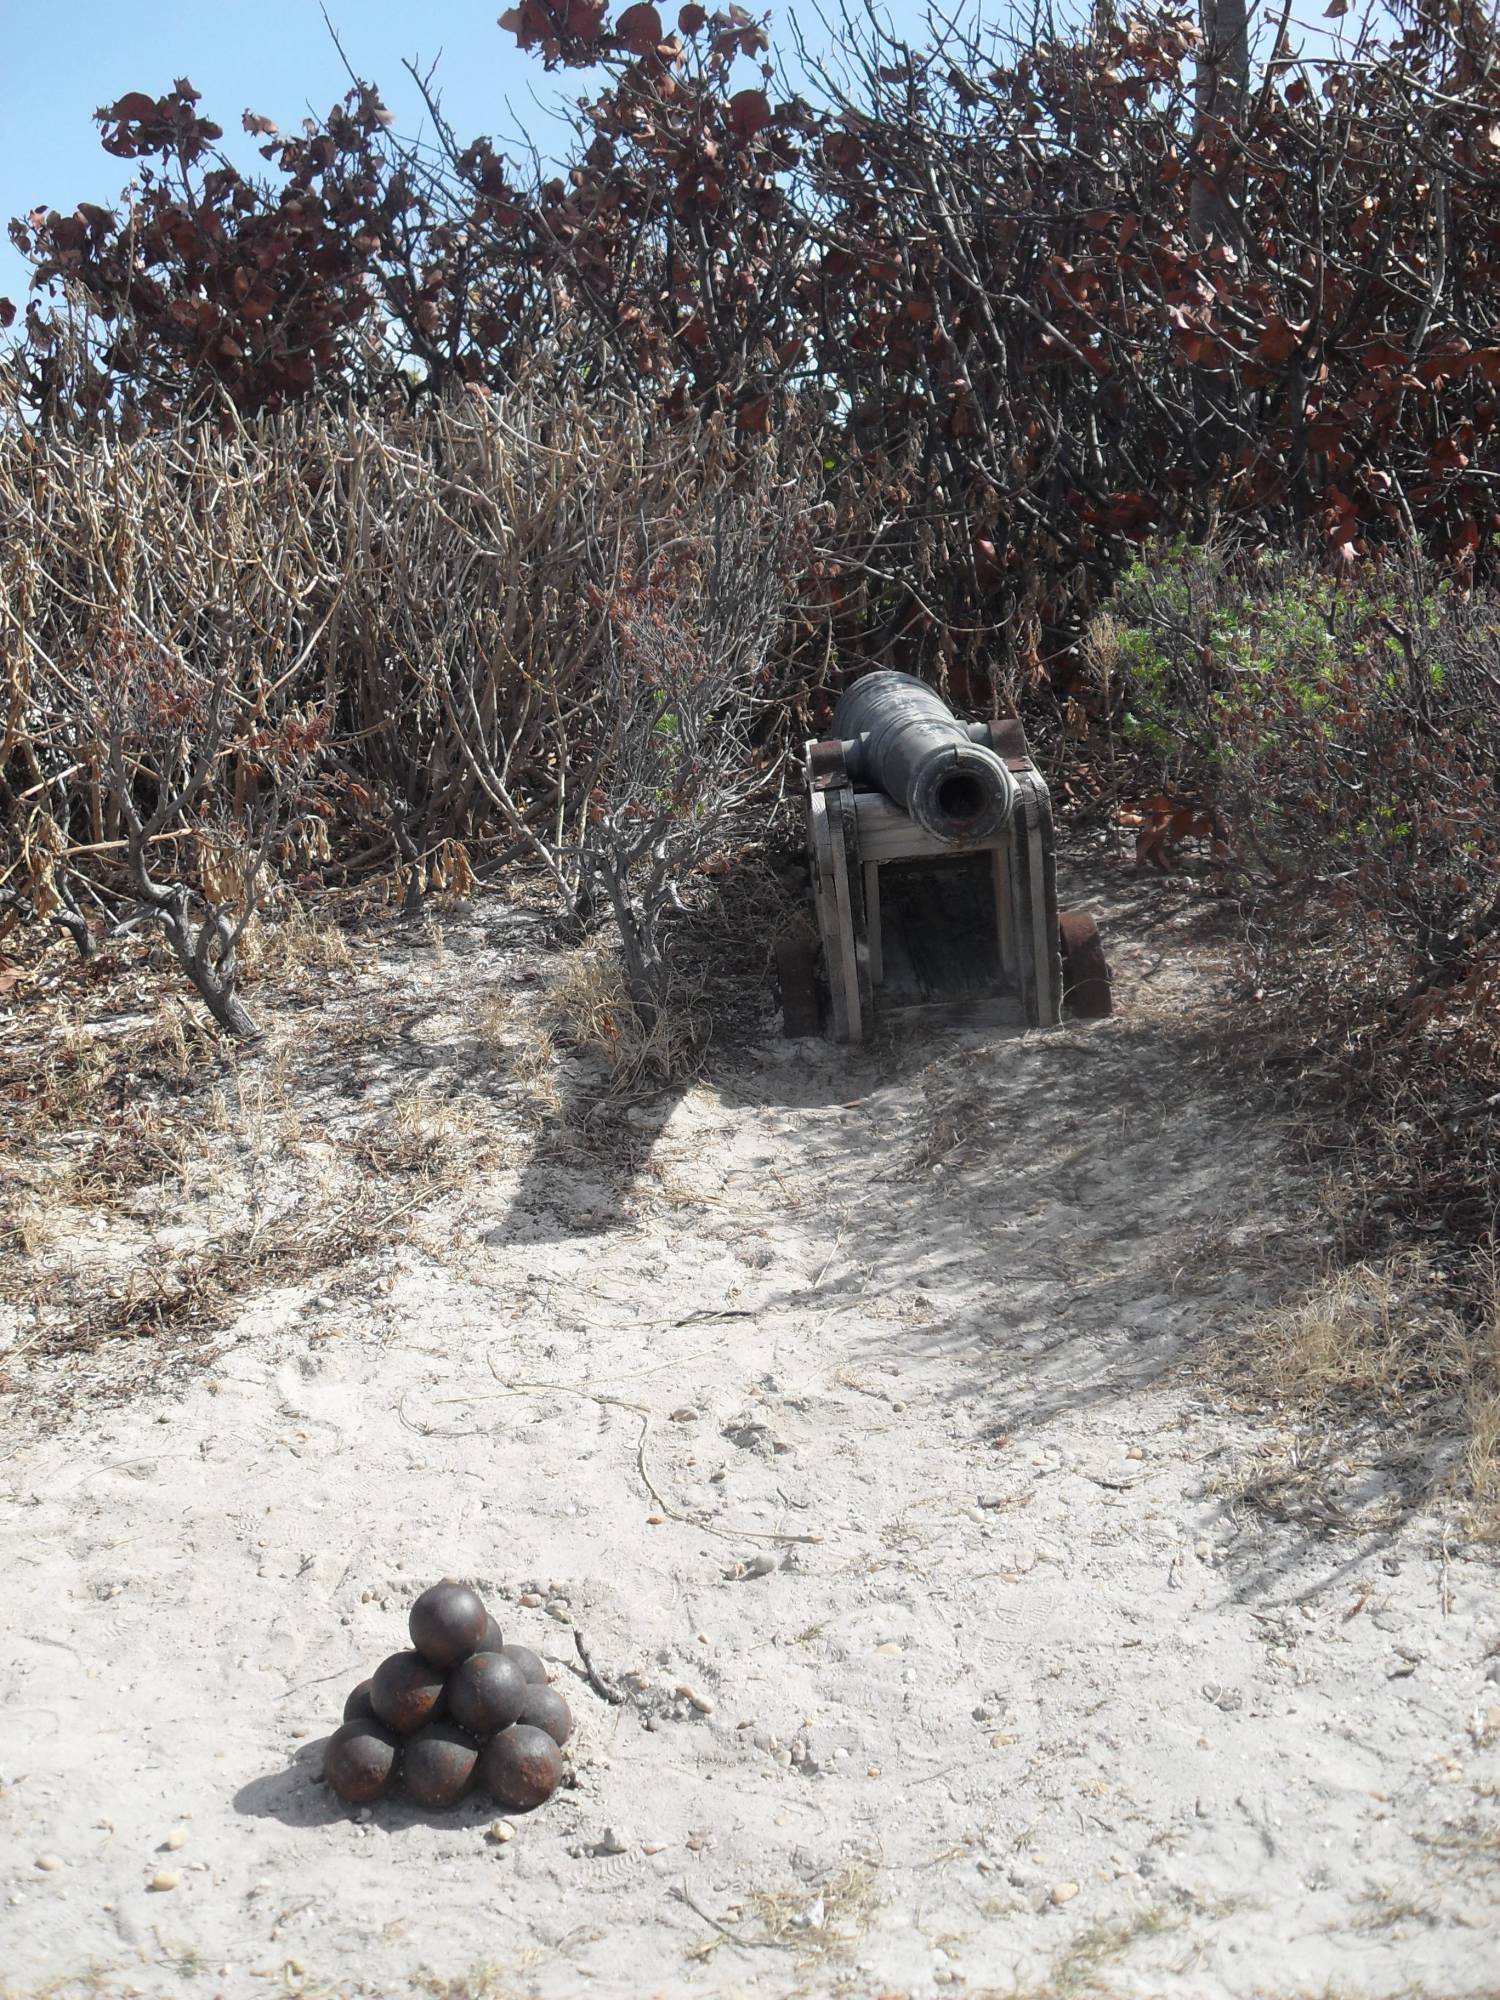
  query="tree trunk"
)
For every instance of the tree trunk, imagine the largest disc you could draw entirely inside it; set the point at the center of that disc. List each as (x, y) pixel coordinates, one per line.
(1221, 89)
(643, 966)
(217, 979)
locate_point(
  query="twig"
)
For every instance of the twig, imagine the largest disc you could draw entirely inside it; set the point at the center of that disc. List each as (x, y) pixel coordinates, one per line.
(744, 1943)
(838, 1244)
(605, 1690)
(321, 1681)
(640, 1410)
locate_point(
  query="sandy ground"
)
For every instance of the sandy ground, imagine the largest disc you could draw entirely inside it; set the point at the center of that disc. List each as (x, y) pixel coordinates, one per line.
(839, 1402)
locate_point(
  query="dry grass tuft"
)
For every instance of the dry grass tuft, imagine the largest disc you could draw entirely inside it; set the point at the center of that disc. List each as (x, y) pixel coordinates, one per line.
(587, 1009)
(486, 1981)
(1372, 1331)
(1482, 1459)
(534, 1066)
(297, 941)
(492, 1017)
(414, 1136)
(1379, 1364)
(1075, 1972)
(820, 1922)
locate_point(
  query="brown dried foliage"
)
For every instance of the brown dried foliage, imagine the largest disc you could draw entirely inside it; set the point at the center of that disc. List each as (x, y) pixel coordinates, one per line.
(319, 646)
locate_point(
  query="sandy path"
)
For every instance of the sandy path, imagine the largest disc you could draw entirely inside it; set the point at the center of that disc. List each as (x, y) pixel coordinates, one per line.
(1013, 1696)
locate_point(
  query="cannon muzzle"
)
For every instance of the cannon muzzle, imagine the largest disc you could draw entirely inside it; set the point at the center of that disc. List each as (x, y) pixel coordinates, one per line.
(902, 736)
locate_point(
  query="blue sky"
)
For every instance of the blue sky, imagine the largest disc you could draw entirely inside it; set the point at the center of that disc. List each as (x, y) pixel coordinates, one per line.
(63, 60)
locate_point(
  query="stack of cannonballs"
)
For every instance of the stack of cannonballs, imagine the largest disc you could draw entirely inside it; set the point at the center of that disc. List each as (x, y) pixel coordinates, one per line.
(461, 1706)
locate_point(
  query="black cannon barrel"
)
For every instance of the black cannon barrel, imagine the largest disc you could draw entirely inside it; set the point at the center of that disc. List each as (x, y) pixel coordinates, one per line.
(903, 737)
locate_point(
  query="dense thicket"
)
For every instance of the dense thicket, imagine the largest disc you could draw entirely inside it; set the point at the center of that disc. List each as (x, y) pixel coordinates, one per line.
(1047, 297)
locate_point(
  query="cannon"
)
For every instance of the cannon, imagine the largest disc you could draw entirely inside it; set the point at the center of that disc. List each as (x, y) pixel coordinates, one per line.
(933, 868)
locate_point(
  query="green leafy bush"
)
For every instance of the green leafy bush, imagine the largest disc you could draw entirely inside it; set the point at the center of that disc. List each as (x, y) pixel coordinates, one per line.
(1344, 735)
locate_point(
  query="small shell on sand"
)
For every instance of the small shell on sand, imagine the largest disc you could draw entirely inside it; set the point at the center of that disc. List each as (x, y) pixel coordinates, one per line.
(498, 1832)
(753, 1566)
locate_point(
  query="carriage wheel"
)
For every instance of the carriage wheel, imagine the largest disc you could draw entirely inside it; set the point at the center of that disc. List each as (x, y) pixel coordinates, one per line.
(797, 979)
(1086, 987)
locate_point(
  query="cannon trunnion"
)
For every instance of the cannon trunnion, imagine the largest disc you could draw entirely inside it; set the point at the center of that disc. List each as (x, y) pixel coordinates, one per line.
(931, 851)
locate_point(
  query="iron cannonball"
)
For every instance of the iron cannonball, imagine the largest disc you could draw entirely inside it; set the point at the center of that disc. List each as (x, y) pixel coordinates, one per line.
(530, 1663)
(486, 1693)
(406, 1691)
(358, 1761)
(359, 1707)
(447, 1623)
(437, 1764)
(521, 1767)
(544, 1708)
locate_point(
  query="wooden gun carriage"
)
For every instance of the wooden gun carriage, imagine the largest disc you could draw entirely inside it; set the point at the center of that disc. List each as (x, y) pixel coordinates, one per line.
(933, 865)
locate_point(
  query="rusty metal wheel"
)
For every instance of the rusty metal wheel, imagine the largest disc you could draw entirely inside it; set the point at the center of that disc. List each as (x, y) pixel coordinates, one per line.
(797, 978)
(1086, 989)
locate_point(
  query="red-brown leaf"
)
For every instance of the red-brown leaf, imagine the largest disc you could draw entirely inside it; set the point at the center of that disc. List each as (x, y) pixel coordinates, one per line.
(639, 29)
(749, 113)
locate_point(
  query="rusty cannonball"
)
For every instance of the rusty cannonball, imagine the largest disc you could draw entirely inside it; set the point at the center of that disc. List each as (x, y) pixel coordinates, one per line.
(359, 1707)
(487, 1692)
(447, 1623)
(494, 1639)
(406, 1691)
(529, 1663)
(358, 1761)
(544, 1708)
(521, 1767)
(437, 1764)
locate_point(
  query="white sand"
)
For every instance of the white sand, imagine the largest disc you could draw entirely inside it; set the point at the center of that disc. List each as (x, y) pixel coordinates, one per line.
(1027, 1703)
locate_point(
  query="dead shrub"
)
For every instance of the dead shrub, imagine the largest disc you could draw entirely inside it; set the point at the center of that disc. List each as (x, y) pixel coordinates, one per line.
(330, 648)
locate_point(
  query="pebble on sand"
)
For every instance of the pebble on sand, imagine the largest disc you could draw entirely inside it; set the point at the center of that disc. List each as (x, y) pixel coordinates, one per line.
(1063, 1892)
(498, 1832)
(175, 1839)
(48, 1863)
(164, 1878)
